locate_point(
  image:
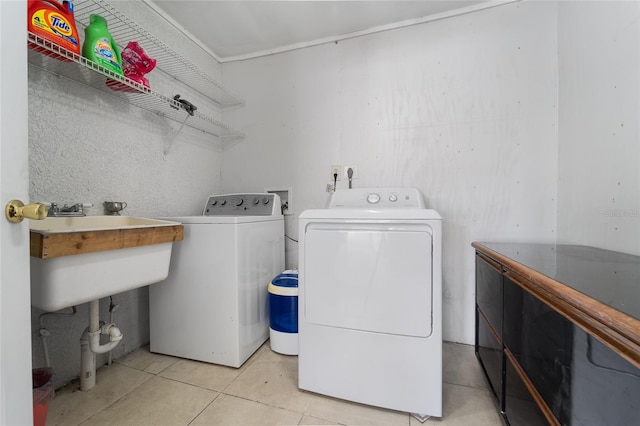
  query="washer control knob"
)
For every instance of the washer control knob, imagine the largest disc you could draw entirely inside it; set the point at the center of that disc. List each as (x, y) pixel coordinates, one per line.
(239, 202)
(265, 200)
(373, 198)
(256, 201)
(223, 202)
(214, 202)
(393, 198)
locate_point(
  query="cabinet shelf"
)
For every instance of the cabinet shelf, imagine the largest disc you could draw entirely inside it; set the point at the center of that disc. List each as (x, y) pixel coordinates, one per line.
(89, 73)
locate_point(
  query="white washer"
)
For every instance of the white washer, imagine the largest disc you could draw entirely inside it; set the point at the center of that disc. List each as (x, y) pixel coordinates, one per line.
(213, 305)
(370, 298)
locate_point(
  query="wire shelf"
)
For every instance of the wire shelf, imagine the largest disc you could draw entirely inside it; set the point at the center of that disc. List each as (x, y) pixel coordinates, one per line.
(52, 58)
(123, 29)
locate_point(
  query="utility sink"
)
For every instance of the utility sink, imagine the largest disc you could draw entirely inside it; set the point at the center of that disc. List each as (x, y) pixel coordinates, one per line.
(78, 259)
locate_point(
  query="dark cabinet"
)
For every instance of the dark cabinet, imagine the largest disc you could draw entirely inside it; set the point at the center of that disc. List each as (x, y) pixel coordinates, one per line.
(553, 355)
(520, 407)
(489, 291)
(489, 353)
(489, 322)
(492, 325)
(540, 340)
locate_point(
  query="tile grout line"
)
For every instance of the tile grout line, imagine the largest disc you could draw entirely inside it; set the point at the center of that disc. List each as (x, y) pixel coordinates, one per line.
(254, 360)
(203, 410)
(150, 375)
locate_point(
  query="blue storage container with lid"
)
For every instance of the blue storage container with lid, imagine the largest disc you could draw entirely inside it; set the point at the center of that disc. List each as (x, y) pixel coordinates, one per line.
(283, 313)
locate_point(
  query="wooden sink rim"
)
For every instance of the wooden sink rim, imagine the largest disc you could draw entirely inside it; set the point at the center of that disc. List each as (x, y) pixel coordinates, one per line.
(48, 245)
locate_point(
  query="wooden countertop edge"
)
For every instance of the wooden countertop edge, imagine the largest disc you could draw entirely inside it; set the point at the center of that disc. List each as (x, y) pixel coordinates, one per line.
(615, 329)
(48, 246)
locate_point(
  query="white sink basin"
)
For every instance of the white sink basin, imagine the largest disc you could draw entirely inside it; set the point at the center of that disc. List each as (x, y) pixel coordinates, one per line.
(78, 259)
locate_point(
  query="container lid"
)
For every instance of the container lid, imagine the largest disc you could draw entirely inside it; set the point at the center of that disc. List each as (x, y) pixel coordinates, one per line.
(285, 281)
(95, 18)
(285, 284)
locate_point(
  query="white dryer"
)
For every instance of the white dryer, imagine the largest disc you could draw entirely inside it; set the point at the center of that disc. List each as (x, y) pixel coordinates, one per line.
(370, 298)
(213, 305)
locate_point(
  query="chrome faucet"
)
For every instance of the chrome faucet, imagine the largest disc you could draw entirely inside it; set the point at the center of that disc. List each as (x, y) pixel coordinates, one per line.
(66, 210)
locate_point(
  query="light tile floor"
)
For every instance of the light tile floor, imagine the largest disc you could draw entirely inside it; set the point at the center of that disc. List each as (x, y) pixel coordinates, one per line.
(143, 388)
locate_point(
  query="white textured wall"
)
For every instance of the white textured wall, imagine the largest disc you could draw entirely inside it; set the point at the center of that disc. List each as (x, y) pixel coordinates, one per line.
(86, 146)
(464, 109)
(599, 134)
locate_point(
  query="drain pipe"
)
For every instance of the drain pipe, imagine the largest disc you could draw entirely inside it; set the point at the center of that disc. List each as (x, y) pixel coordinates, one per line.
(90, 345)
(45, 334)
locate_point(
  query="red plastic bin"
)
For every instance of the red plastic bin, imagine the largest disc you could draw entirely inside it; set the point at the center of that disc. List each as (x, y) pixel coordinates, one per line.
(43, 386)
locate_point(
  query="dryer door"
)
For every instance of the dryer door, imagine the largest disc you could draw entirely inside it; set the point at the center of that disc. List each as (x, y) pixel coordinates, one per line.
(368, 276)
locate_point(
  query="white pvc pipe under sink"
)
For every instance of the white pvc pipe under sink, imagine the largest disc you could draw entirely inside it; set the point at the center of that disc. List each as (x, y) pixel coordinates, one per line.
(90, 345)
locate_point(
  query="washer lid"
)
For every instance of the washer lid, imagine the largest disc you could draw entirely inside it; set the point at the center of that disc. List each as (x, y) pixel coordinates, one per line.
(212, 220)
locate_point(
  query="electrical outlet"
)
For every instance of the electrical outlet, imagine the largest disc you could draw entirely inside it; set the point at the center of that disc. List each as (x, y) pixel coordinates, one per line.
(345, 172)
(335, 170)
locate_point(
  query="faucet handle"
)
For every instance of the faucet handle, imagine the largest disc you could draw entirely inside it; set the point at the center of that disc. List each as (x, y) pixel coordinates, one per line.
(51, 208)
(81, 206)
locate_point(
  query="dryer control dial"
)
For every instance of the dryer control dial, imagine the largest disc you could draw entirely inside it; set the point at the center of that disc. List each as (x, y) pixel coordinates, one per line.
(239, 202)
(393, 198)
(373, 198)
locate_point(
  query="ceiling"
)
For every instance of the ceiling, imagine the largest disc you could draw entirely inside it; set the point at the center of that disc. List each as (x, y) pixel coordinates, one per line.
(234, 30)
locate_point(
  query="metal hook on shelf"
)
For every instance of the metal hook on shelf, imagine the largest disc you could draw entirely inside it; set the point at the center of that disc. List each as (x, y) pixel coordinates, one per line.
(186, 105)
